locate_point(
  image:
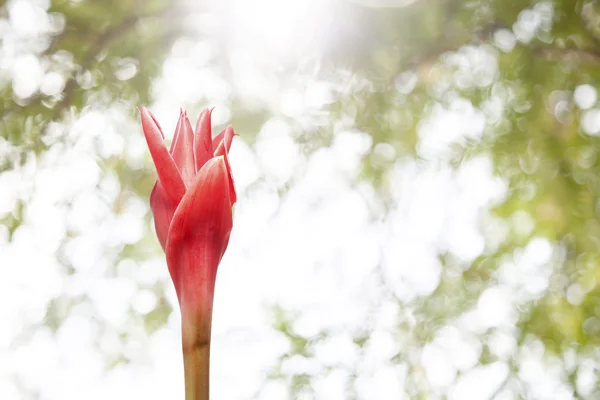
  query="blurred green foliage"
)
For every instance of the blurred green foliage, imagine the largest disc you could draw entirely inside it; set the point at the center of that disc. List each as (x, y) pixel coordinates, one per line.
(564, 167)
(91, 45)
(551, 164)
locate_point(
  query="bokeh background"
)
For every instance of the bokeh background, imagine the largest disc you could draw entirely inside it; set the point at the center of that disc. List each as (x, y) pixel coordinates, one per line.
(418, 208)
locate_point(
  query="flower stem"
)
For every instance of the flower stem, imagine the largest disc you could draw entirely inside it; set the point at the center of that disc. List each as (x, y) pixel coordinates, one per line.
(196, 324)
(196, 297)
(196, 362)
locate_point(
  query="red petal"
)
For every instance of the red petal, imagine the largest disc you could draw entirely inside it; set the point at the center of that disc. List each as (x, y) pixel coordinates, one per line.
(232, 193)
(199, 233)
(223, 150)
(167, 171)
(176, 135)
(222, 136)
(182, 149)
(225, 141)
(162, 210)
(202, 139)
(217, 139)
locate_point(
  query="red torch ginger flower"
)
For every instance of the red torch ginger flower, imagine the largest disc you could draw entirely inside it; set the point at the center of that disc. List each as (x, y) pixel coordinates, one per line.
(192, 206)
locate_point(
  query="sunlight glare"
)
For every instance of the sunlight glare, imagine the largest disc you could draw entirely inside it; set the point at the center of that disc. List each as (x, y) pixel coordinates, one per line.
(283, 29)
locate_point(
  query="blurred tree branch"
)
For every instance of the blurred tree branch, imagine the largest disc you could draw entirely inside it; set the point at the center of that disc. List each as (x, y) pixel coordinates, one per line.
(95, 38)
(97, 46)
(569, 54)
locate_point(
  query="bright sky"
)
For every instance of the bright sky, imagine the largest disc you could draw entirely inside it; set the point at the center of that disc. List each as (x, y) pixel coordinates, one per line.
(315, 251)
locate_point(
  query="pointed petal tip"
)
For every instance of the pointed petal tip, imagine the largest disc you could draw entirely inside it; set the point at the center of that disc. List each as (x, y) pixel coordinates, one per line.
(184, 116)
(206, 113)
(232, 130)
(164, 163)
(203, 149)
(222, 154)
(147, 116)
(224, 139)
(145, 110)
(182, 148)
